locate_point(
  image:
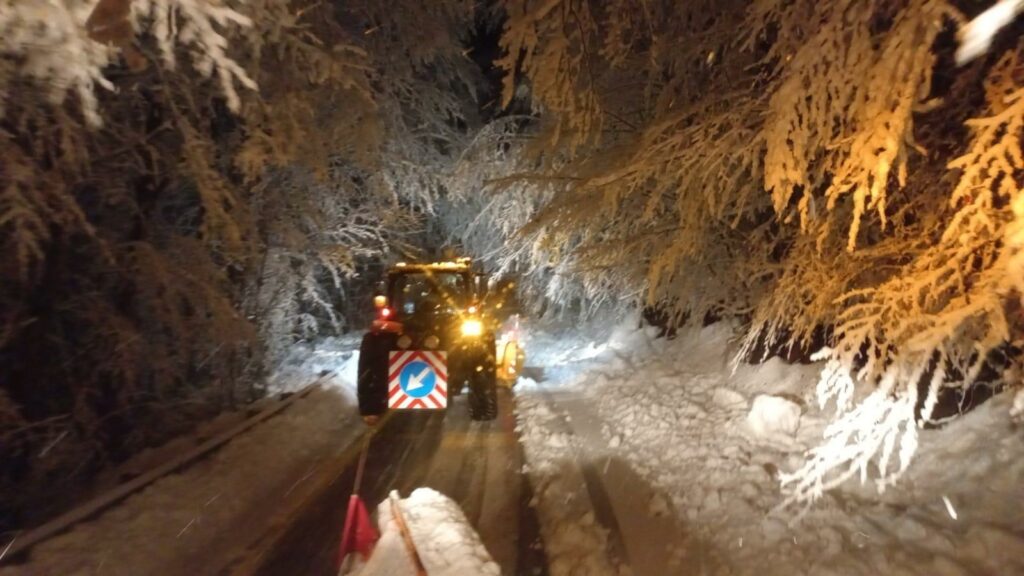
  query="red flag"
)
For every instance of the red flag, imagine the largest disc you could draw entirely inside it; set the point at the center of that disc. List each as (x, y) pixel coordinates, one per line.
(359, 534)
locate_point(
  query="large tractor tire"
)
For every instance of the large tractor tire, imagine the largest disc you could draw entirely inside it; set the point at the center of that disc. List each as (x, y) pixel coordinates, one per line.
(371, 380)
(483, 393)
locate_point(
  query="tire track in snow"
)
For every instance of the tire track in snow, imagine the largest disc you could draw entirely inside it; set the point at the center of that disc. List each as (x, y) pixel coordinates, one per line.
(599, 499)
(576, 539)
(655, 540)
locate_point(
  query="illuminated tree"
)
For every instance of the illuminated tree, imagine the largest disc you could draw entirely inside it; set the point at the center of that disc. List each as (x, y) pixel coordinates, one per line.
(826, 168)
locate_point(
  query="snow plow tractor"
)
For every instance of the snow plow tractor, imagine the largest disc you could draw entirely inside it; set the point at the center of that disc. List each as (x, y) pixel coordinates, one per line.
(432, 337)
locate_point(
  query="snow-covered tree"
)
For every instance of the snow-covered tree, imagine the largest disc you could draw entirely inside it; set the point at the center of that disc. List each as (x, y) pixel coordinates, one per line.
(189, 185)
(807, 167)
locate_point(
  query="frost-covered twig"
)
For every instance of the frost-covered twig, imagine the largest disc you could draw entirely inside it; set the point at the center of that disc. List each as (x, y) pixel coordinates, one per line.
(196, 25)
(869, 431)
(976, 36)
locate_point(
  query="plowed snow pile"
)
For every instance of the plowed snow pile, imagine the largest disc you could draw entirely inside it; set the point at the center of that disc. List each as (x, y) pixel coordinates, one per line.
(708, 444)
(446, 543)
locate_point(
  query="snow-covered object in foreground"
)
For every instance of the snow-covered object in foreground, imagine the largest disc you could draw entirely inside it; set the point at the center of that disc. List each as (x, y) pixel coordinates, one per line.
(771, 416)
(447, 545)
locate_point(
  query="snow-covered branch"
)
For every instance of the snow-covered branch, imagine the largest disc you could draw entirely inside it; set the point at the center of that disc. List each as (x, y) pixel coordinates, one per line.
(67, 46)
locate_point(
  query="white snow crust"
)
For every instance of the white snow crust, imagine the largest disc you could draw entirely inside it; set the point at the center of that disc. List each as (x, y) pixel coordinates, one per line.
(1017, 411)
(445, 541)
(773, 416)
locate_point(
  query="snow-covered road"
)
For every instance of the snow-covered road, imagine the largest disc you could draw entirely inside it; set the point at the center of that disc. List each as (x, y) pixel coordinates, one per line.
(653, 457)
(644, 457)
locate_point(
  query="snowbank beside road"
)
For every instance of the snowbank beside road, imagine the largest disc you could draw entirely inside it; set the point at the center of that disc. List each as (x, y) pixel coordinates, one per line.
(710, 443)
(339, 355)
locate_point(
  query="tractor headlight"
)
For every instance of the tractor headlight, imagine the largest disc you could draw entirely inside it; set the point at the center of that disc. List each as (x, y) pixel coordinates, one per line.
(472, 327)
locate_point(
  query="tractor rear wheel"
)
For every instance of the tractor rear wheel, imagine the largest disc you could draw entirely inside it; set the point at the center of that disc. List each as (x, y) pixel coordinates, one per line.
(371, 378)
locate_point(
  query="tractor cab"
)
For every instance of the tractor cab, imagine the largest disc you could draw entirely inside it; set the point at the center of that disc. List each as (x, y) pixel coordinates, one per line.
(430, 299)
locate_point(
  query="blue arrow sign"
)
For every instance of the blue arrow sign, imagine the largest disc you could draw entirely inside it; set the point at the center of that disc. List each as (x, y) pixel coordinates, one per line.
(417, 379)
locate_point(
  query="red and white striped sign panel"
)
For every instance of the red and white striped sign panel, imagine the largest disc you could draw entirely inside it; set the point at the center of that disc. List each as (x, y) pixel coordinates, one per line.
(417, 379)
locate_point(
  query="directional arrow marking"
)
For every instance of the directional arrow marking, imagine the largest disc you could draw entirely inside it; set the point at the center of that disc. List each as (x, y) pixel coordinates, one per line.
(416, 380)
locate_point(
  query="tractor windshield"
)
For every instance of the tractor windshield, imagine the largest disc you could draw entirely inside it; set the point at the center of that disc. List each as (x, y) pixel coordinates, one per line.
(429, 292)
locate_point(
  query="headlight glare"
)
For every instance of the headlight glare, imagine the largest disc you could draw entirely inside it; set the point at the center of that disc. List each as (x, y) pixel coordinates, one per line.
(472, 327)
